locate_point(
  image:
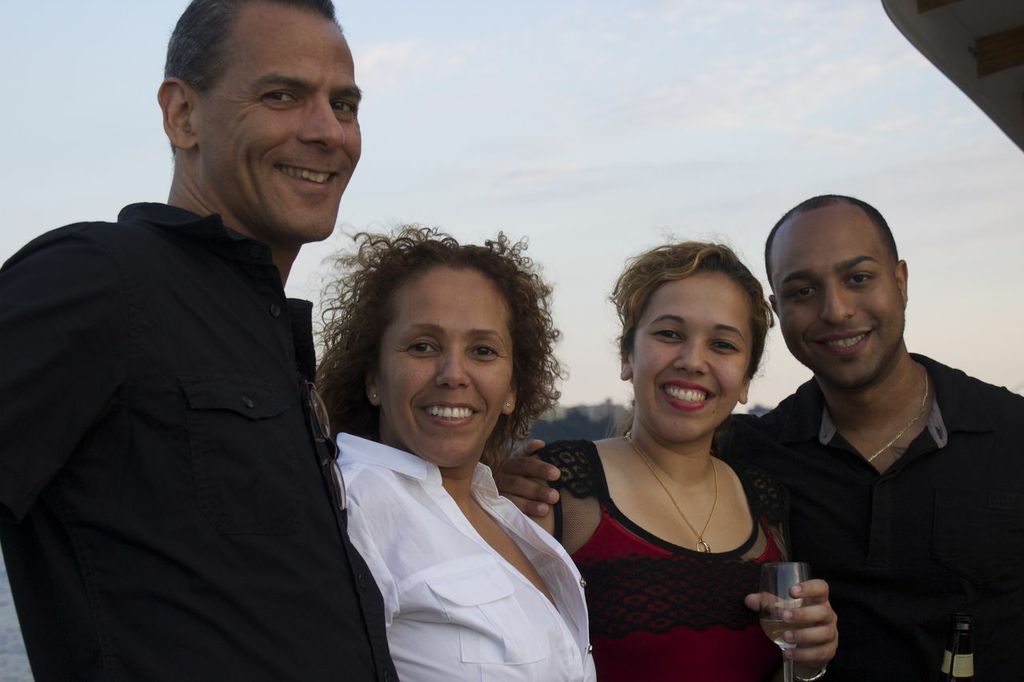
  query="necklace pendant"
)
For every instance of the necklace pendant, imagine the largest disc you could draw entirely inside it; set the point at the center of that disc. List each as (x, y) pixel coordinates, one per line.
(703, 547)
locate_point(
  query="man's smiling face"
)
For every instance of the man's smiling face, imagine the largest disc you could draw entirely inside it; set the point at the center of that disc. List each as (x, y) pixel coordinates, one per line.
(840, 295)
(277, 134)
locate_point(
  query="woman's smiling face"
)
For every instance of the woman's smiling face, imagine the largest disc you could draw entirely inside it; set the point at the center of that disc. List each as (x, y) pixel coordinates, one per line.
(690, 357)
(444, 375)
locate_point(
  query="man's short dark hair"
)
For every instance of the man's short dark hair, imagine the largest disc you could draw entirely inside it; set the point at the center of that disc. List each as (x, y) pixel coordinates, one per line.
(829, 200)
(195, 53)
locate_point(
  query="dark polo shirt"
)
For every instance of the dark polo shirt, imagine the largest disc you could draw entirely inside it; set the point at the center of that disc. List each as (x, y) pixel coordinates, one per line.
(942, 530)
(165, 514)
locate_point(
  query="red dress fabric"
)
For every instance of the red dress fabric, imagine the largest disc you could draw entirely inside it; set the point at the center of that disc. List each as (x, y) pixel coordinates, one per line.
(663, 612)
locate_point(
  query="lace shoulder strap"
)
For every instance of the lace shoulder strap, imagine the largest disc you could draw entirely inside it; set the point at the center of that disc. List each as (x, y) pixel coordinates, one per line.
(575, 458)
(578, 513)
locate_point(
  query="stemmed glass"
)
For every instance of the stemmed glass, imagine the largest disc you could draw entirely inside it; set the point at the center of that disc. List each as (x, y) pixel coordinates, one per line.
(776, 580)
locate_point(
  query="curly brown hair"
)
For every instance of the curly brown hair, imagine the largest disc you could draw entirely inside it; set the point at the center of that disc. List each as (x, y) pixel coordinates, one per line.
(361, 303)
(671, 262)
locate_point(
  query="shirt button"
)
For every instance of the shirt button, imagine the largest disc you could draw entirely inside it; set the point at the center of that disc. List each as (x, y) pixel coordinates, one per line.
(255, 252)
(275, 310)
(248, 402)
(590, 648)
(361, 579)
(583, 583)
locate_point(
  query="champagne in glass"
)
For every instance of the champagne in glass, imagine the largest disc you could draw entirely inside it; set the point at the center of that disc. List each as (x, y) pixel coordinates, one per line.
(776, 580)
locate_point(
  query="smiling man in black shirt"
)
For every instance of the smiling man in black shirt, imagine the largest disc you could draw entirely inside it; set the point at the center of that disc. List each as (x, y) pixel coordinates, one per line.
(906, 477)
(168, 501)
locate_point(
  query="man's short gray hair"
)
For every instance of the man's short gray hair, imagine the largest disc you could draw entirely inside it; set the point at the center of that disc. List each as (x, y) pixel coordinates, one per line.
(195, 53)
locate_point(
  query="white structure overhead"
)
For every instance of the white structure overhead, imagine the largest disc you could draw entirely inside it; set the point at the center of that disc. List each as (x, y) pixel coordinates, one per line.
(977, 44)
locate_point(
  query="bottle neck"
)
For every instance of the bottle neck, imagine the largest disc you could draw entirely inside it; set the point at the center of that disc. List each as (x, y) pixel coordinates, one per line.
(958, 659)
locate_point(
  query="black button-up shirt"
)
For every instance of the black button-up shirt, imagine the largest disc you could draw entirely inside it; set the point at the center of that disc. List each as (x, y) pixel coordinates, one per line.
(165, 516)
(942, 530)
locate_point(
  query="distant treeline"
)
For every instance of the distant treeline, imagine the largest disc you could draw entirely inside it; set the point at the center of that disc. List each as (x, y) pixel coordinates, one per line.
(583, 422)
(590, 422)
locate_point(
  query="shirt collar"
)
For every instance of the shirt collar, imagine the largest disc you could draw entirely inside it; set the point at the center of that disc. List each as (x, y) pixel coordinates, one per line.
(963, 407)
(209, 229)
(483, 484)
(362, 450)
(957, 407)
(935, 425)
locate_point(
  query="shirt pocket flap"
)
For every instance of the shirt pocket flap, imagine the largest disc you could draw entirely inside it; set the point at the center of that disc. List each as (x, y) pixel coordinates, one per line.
(482, 585)
(248, 397)
(479, 599)
(243, 443)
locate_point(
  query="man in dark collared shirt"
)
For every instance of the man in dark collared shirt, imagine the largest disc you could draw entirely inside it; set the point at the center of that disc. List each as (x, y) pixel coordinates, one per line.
(167, 497)
(905, 475)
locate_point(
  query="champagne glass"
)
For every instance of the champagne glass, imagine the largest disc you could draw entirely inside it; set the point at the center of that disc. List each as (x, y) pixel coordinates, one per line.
(776, 580)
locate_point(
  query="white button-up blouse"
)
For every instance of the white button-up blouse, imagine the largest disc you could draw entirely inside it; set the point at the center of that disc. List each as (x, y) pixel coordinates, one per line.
(455, 609)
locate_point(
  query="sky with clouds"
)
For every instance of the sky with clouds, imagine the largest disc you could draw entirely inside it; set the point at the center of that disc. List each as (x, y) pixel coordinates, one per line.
(594, 129)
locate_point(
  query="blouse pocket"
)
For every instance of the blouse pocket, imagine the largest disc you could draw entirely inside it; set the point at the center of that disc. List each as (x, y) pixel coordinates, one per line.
(493, 627)
(243, 463)
(979, 534)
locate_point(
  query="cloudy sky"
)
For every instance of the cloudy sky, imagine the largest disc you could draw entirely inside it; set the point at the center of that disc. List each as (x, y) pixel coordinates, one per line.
(594, 128)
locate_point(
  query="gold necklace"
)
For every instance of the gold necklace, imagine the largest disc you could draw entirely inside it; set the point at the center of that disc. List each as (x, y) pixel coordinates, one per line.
(909, 424)
(701, 545)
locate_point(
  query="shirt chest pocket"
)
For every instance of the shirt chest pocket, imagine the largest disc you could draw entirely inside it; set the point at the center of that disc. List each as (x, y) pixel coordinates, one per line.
(244, 466)
(979, 534)
(493, 626)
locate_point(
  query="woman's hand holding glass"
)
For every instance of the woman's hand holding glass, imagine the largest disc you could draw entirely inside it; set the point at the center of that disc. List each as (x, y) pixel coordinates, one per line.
(813, 631)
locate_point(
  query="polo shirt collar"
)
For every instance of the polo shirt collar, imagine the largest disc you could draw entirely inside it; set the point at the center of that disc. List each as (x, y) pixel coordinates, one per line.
(957, 407)
(209, 229)
(178, 219)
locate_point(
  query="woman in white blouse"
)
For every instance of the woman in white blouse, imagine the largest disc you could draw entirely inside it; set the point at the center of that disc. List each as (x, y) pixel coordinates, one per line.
(438, 355)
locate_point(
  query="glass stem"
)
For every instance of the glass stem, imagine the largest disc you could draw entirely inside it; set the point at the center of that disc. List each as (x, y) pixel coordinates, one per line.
(787, 669)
